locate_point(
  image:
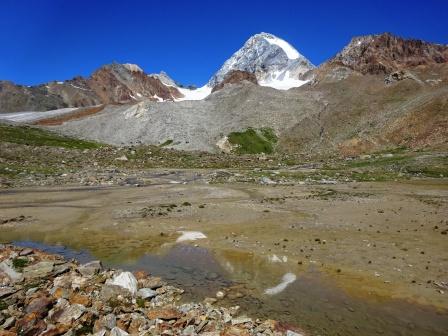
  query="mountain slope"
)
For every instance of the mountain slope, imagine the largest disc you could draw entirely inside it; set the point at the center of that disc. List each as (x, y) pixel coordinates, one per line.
(111, 84)
(379, 92)
(361, 113)
(318, 120)
(351, 114)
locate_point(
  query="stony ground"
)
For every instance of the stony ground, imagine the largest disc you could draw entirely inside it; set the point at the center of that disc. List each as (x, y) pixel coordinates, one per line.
(374, 226)
(44, 294)
(32, 157)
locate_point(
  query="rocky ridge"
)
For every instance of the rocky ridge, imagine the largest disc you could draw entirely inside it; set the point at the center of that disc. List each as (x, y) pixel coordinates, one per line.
(43, 294)
(385, 53)
(111, 84)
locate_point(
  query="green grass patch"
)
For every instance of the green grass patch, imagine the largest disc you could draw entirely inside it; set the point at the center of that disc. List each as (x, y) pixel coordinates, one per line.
(12, 170)
(19, 263)
(3, 305)
(85, 329)
(26, 135)
(140, 302)
(166, 143)
(269, 134)
(378, 161)
(393, 150)
(433, 171)
(253, 141)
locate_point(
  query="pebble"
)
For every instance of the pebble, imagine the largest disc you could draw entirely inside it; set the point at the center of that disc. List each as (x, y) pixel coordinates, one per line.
(146, 293)
(220, 295)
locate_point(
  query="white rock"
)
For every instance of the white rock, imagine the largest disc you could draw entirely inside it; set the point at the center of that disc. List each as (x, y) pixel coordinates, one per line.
(101, 332)
(266, 180)
(78, 282)
(126, 280)
(146, 293)
(118, 332)
(6, 268)
(241, 320)
(292, 333)
(122, 158)
(189, 331)
(71, 313)
(220, 295)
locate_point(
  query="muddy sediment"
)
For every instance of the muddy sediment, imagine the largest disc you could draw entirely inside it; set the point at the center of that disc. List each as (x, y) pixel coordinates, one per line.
(365, 256)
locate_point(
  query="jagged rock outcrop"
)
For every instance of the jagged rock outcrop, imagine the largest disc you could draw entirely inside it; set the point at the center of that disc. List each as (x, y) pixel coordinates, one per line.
(384, 53)
(165, 79)
(118, 83)
(236, 76)
(15, 98)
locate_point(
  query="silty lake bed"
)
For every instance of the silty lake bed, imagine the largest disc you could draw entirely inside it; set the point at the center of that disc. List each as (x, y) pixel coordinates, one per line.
(359, 258)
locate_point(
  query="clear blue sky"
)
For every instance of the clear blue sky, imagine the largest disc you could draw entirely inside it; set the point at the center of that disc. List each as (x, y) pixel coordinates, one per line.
(43, 40)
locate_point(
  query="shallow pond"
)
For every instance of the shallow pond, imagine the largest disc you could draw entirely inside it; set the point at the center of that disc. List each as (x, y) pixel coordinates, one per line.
(269, 288)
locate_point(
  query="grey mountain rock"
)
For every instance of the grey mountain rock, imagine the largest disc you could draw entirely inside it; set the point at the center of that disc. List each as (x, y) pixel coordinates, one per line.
(268, 57)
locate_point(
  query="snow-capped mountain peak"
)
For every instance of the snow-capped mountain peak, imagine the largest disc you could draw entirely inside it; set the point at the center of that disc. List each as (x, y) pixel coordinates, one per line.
(290, 51)
(274, 62)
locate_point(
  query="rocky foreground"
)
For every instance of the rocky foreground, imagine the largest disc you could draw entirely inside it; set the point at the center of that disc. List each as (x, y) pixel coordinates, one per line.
(43, 294)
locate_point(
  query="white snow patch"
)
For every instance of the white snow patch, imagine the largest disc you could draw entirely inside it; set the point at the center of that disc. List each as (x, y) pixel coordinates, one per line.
(133, 67)
(78, 87)
(158, 98)
(287, 48)
(282, 81)
(287, 279)
(59, 82)
(23, 117)
(198, 94)
(190, 235)
(275, 259)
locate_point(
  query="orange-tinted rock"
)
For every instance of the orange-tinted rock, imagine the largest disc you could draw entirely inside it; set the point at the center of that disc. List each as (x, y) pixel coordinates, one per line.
(123, 324)
(60, 293)
(235, 331)
(7, 333)
(30, 325)
(39, 305)
(56, 330)
(140, 275)
(164, 314)
(236, 76)
(81, 299)
(384, 53)
(135, 325)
